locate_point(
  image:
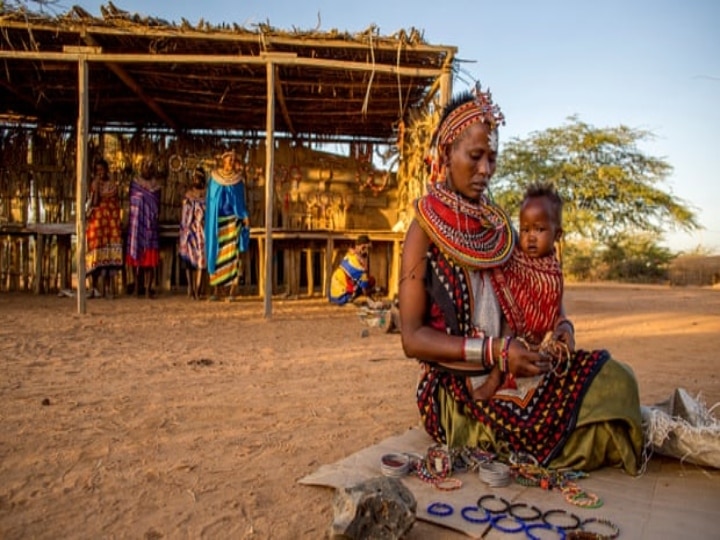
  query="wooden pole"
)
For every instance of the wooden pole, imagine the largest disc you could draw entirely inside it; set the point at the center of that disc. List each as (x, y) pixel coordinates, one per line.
(269, 189)
(328, 268)
(81, 168)
(446, 89)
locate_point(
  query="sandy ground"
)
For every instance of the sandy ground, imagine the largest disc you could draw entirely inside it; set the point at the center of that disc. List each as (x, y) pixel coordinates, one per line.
(170, 418)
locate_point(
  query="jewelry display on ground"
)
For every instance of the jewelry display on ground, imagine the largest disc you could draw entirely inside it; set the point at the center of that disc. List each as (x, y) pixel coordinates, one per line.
(439, 463)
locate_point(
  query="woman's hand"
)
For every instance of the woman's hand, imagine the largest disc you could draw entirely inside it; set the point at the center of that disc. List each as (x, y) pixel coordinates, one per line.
(523, 362)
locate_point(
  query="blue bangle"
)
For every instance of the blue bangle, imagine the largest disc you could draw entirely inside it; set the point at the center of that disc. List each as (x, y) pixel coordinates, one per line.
(502, 517)
(543, 526)
(440, 509)
(465, 513)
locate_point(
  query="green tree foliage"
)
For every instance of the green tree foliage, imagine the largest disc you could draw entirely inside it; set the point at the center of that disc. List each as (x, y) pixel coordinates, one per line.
(609, 185)
(637, 259)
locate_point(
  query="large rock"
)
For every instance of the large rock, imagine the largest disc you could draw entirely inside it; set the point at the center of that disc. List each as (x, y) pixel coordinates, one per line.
(380, 508)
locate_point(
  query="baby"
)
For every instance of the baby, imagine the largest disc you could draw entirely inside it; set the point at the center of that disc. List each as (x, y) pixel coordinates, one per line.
(530, 285)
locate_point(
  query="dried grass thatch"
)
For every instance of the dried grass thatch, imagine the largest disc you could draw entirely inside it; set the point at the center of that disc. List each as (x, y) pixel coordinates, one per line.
(148, 72)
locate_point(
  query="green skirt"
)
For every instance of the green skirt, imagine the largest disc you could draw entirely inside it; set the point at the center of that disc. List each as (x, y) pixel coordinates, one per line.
(607, 433)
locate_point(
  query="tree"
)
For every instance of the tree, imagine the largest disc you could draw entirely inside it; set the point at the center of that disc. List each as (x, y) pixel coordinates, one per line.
(609, 186)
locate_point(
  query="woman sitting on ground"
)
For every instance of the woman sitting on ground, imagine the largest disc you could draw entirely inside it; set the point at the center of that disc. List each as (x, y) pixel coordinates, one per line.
(587, 418)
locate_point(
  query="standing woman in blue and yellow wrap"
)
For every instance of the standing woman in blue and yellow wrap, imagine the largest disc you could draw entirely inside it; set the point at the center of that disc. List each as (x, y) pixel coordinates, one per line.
(587, 418)
(227, 225)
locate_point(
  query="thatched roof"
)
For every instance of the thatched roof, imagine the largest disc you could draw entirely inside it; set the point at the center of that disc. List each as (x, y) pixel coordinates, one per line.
(146, 72)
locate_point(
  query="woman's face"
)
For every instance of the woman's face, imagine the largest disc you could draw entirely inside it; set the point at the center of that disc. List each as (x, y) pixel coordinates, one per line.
(147, 169)
(101, 172)
(471, 161)
(228, 163)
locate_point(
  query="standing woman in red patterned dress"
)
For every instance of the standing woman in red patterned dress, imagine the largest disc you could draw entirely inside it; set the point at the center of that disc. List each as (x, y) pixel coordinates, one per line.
(104, 231)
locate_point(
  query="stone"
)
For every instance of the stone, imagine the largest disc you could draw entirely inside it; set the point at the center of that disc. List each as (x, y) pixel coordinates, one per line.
(381, 508)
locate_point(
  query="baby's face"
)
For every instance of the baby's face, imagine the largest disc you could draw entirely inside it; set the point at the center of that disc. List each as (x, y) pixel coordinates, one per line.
(538, 229)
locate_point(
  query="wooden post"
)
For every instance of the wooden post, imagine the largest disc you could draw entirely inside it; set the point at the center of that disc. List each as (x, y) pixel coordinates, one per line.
(445, 87)
(328, 269)
(262, 276)
(81, 167)
(394, 284)
(269, 167)
(39, 256)
(309, 270)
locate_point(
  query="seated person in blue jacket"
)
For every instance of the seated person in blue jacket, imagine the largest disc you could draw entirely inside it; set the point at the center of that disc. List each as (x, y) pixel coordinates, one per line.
(351, 279)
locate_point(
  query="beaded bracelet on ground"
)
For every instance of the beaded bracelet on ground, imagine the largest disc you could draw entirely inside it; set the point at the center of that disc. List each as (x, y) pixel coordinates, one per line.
(536, 476)
(436, 467)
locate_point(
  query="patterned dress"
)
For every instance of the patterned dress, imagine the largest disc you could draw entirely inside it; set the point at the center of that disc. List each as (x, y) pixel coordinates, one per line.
(104, 230)
(192, 230)
(586, 418)
(530, 292)
(143, 242)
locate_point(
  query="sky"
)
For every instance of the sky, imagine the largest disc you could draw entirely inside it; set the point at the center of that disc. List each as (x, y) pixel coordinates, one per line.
(647, 64)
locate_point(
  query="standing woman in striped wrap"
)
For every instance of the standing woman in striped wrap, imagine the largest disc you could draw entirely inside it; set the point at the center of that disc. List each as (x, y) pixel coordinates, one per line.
(143, 242)
(227, 225)
(453, 323)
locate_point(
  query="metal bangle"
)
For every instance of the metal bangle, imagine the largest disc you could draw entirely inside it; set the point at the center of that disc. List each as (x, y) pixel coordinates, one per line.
(536, 512)
(474, 349)
(505, 504)
(565, 513)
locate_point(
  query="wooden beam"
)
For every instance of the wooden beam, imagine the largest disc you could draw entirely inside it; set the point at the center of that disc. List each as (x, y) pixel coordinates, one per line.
(286, 60)
(125, 77)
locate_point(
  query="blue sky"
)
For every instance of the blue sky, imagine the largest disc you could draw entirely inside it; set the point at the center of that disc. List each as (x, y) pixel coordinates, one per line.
(647, 64)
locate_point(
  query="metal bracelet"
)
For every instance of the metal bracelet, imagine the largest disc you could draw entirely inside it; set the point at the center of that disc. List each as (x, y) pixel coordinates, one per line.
(474, 350)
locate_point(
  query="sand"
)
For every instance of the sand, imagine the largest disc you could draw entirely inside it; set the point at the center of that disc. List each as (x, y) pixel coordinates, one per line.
(171, 418)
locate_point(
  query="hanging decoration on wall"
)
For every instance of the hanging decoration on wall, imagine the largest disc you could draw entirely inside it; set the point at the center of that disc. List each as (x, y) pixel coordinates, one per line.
(176, 163)
(365, 177)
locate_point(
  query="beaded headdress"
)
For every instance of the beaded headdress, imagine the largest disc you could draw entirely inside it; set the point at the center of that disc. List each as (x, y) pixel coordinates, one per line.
(479, 109)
